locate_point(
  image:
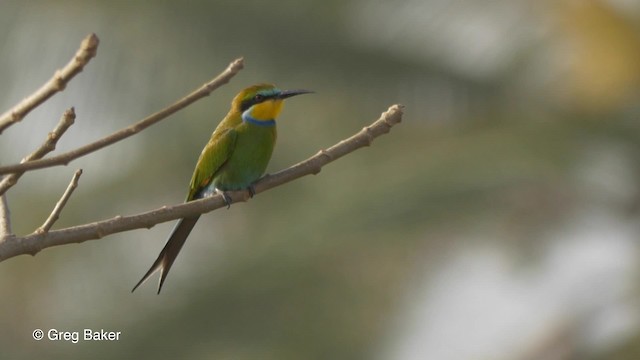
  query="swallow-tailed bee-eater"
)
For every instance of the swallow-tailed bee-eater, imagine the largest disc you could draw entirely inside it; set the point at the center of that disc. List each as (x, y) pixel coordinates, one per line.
(236, 155)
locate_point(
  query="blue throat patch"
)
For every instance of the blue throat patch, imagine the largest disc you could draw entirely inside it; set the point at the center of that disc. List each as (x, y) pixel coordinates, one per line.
(246, 117)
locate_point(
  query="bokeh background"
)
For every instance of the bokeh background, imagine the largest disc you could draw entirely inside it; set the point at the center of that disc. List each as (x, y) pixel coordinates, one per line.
(498, 221)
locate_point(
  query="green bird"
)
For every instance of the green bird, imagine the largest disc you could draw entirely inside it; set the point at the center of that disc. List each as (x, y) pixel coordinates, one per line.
(236, 155)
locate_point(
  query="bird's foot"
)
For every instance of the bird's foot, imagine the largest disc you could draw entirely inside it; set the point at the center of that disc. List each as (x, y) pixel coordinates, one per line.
(252, 191)
(226, 198)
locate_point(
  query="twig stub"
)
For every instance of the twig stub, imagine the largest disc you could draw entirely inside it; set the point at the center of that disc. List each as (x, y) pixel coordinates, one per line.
(5, 219)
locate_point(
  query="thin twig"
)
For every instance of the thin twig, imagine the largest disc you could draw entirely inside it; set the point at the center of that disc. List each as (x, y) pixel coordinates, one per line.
(67, 119)
(58, 82)
(65, 158)
(5, 218)
(33, 243)
(55, 214)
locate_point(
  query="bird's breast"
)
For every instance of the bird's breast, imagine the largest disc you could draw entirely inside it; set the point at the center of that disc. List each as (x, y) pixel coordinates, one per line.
(249, 159)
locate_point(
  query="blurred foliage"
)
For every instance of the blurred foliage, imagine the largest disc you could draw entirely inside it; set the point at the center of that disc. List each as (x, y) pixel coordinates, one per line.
(521, 117)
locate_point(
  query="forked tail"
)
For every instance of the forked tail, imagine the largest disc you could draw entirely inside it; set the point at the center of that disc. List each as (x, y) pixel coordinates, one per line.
(170, 251)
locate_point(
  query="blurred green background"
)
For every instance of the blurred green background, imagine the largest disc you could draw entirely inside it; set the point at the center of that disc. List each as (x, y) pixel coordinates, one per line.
(498, 221)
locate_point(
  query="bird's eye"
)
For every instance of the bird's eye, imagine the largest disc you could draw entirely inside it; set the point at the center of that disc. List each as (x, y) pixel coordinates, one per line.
(258, 98)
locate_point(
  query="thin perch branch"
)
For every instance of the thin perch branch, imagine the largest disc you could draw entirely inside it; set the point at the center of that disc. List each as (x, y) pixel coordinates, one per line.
(65, 158)
(33, 243)
(48, 146)
(314, 164)
(55, 214)
(58, 82)
(5, 218)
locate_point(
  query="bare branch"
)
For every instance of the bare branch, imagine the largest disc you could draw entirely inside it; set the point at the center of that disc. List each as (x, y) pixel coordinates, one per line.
(55, 214)
(314, 164)
(58, 82)
(65, 158)
(33, 243)
(5, 218)
(48, 146)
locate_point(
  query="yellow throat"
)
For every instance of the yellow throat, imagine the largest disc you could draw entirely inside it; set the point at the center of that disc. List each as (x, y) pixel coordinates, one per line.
(267, 110)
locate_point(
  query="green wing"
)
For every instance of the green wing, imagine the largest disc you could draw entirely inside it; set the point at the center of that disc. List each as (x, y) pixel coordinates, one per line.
(213, 156)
